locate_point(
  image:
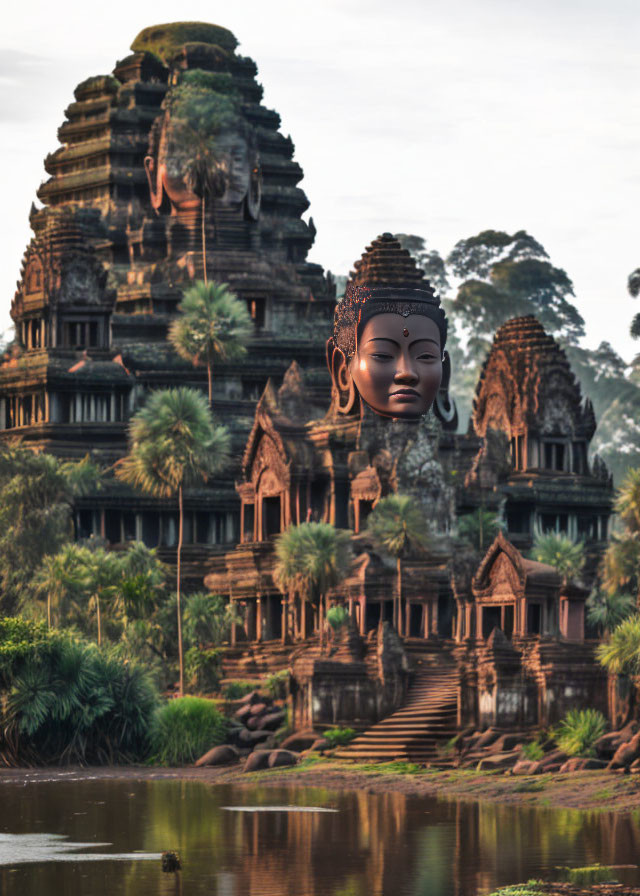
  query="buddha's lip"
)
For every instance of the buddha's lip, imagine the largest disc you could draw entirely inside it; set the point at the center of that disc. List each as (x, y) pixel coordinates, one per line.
(405, 392)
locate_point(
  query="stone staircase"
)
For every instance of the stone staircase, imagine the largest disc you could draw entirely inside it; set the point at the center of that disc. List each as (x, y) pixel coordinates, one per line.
(427, 719)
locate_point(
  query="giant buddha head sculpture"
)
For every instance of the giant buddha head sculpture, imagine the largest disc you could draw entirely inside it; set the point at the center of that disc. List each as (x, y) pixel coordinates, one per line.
(387, 348)
(185, 162)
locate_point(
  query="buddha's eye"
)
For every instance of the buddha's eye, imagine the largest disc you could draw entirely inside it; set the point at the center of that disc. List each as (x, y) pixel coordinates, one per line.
(428, 356)
(381, 356)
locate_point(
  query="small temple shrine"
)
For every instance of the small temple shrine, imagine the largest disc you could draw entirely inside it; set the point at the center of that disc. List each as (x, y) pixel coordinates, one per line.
(127, 222)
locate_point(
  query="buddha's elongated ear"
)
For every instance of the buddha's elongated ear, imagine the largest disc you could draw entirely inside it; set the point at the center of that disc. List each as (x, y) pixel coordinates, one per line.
(343, 391)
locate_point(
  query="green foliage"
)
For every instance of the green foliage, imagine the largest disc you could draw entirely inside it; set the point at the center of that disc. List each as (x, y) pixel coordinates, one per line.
(221, 82)
(620, 653)
(234, 690)
(213, 324)
(556, 550)
(397, 525)
(164, 41)
(174, 444)
(68, 701)
(208, 619)
(311, 558)
(606, 611)
(36, 496)
(428, 260)
(627, 503)
(337, 617)
(18, 638)
(579, 730)
(528, 889)
(185, 728)
(203, 668)
(277, 684)
(533, 751)
(479, 528)
(588, 874)
(339, 737)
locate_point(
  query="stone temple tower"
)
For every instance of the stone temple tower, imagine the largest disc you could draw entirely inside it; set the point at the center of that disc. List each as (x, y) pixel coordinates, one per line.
(166, 167)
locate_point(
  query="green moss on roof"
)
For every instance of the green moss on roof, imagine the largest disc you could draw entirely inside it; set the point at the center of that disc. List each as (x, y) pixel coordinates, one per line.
(164, 41)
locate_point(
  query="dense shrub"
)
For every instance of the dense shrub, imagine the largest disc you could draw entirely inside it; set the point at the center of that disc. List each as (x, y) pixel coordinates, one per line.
(533, 750)
(64, 700)
(277, 684)
(185, 728)
(203, 668)
(337, 617)
(338, 737)
(579, 730)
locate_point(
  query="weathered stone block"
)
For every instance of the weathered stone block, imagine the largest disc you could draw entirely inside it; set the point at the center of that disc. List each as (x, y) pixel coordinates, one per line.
(279, 758)
(221, 755)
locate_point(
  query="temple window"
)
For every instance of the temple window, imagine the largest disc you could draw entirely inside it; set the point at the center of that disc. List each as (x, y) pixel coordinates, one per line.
(249, 522)
(554, 455)
(579, 457)
(534, 619)
(257, 310)
(270, 517)
(112, 526)
(150, 529)
(491, 618)
(587, 526)
(128, 526)
(519, 520)
(341, 503)
(416, 620)
(554, 522)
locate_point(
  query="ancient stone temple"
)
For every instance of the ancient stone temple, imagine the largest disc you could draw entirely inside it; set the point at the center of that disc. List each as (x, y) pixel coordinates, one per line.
(167, 168)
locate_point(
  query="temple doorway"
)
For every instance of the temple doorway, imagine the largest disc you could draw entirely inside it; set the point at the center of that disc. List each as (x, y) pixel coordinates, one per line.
(416, 621)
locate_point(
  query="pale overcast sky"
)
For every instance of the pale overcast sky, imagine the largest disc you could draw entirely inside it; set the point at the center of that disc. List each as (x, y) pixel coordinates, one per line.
(435, 118)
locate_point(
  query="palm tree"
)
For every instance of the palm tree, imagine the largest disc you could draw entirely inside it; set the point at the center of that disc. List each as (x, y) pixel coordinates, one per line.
(102, 574)
(174, 444)
(61, 578)
(620, 654)
(214, 324)
(621, 567)
(312, 558)
(398, 527)
(560, 551)
(627, 502)
(479, 528)
(607, 610)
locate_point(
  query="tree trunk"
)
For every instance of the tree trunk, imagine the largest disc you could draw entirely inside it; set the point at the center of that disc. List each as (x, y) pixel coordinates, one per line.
(210, 376)
(99, 622)
(178, 606)
(321, 621)
(49, 608)
(204, 247)
(398, 592)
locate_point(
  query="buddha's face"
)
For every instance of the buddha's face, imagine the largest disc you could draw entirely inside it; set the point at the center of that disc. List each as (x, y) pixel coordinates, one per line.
(397, 368)
(168, 174)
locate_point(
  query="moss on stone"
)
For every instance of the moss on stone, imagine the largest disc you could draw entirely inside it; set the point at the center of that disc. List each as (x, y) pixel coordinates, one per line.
(164, 41)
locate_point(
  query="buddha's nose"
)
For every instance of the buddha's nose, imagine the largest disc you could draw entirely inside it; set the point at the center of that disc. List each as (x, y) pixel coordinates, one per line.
(405, 372)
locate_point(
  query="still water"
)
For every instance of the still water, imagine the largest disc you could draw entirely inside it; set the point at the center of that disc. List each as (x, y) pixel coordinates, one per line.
(99, 837)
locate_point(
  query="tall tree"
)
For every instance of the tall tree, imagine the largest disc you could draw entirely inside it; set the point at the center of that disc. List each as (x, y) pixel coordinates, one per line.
(174, 444)
(398, 527)
(198, 114)
(312, 558)
(213, 324)
(60, 579)
(479, 528)
(36, 500)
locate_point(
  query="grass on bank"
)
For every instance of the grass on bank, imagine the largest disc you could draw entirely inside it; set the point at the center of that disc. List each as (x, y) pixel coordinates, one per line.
(185, 728)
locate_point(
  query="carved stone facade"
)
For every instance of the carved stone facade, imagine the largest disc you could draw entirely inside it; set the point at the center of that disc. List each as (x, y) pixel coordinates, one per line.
(117, 243)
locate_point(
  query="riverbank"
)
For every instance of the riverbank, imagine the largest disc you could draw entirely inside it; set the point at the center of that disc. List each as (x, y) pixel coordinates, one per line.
(595, 790)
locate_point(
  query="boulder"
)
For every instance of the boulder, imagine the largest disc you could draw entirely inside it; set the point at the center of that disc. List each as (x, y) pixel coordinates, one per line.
(279, 758)
(320, 745)
(486, 738)
(626, 753)
(581, 763)
(257, 760)
(499, 760)
(251, 738)
(271, 721)
(527, 767)
(505, 743)
(243, 713)
(257, 709)
(634, 768)
(552, 761)
(299, 741)
(221, 755)
(253, 697)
